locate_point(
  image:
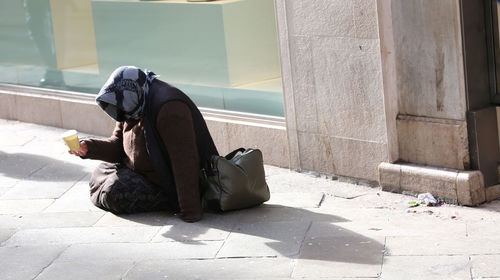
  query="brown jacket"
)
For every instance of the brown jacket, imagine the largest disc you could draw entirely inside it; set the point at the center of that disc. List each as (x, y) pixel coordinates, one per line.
(127, 145)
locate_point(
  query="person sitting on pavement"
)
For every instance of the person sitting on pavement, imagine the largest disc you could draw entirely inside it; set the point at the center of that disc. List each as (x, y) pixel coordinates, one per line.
(155, 153)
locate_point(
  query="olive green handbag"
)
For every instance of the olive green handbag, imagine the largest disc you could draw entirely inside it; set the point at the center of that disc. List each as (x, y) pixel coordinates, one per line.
(235, 181)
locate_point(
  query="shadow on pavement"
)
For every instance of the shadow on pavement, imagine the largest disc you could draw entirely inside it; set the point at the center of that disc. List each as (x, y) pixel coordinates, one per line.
(24, 166)
(288, 231)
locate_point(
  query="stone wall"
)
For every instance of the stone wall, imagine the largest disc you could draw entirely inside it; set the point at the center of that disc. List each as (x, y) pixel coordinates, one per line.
(333, 87)
(431, 125)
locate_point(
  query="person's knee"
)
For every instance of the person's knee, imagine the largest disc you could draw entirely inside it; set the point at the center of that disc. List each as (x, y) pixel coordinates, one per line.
(107, 193)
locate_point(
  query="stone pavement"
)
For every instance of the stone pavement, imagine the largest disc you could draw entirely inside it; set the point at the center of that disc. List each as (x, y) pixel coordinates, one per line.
(312, 228)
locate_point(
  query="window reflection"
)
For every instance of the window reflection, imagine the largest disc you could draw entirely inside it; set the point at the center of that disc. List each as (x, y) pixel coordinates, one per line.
(223, 54)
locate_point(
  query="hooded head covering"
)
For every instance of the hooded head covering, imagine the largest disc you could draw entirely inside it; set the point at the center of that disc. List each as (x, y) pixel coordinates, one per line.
(123, 96)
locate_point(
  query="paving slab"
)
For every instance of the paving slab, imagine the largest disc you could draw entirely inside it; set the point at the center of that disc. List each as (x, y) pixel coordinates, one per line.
(51, 181)
(204, 230)
(26, 262)
(5, 186)
(350, 256)
(86, 269)
(290, 181)
(426, 268)
(278, 213)
(17, 166)
(441, 245)
(6, 233)
(76, 199)
(373, 198)
(50, 220)
(19, 206)
(255, 268)
(141, 251)
(481, 229)
(347, 239)
(281, 239)
(486, 266)
(296, 199)
(157, 219)
(34, 237)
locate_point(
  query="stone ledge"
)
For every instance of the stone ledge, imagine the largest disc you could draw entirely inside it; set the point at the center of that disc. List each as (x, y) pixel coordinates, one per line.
(492, 193)
(463, 187)
(230, 130)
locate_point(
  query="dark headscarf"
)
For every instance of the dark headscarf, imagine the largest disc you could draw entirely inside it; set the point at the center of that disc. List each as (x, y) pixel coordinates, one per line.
(123, 96)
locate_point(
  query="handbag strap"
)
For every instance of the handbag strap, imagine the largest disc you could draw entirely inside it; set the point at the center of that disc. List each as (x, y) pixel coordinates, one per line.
(233, 153)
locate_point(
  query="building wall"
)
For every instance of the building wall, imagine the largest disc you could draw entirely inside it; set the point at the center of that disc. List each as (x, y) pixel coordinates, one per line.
(333, 86)
(429, 79)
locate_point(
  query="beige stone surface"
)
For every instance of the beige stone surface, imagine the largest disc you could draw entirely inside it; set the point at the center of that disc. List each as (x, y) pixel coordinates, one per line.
(302, 66)
(485, 266)
(351, 105)
(389, 75)
(35, 109)
(426, 267)
(340, 156)
(24, 206)
(470, 188)
(316, 153)
(7, 106)
(390, 177)
(358, 159)
(314, 18)
(86, 117)
(464, 187)
(287, 77)
(441, 183)
(441, 245)
(218, 130)
(492, 192)
(429, 58)
(271, 141)
(353, 256)
(433, 142)
(366, 19)
(285, 239)
(335, 105)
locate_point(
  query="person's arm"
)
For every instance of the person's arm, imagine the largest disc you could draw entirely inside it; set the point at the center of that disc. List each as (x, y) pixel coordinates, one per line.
(175, 126)
(109, 150)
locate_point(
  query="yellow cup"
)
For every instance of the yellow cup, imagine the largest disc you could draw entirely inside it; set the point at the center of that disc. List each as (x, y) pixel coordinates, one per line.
(71, 139)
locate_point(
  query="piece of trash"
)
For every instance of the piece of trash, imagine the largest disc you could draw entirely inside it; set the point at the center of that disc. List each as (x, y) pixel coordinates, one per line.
(413, 204)
(453, 217)
(375, 229)
(428, 212)
(365, 242)
(347, 245)
(427, 199)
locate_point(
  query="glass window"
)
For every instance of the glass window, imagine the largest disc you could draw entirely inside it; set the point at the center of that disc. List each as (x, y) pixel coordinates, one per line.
(223, 54)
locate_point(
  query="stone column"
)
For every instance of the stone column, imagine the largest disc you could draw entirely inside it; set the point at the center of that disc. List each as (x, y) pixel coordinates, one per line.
(427, 55)
(333, 86)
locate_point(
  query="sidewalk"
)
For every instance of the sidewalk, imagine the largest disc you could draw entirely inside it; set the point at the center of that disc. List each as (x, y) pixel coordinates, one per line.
(312, 228)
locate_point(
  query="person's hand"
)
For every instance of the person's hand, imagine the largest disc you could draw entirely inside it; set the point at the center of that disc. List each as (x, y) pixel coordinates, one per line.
(82, 152)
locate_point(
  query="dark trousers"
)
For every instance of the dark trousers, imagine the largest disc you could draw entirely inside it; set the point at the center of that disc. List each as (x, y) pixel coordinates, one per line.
(118, 189)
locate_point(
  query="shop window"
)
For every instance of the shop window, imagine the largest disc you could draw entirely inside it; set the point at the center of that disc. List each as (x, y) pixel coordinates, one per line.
(223, 54)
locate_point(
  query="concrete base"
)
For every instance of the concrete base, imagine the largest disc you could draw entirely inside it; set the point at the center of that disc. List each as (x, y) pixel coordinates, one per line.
(492, 193)
(463, 187)
(230, 130)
